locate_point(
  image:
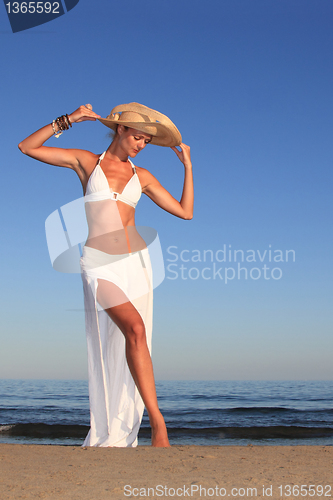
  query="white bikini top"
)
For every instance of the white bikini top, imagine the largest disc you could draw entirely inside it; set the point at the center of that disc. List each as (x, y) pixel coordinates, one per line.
(98, 187)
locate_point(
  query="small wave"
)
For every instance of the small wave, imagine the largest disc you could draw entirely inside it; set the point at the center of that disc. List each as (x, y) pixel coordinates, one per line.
(56, 431)
(4, 428)
(45, 430)
(253, 433)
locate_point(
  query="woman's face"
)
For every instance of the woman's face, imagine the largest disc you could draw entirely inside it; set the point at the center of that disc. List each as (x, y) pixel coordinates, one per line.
(132, 141)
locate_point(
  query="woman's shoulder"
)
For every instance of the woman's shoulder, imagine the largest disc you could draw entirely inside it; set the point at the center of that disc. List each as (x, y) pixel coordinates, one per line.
(144, 175)
(87, 160)
(143, 172)
(85, 156)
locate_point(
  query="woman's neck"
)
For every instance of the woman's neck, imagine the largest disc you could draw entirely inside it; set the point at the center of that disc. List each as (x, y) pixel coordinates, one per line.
(115, 152)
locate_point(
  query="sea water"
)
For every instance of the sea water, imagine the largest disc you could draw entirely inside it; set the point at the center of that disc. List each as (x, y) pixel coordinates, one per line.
(196, 412)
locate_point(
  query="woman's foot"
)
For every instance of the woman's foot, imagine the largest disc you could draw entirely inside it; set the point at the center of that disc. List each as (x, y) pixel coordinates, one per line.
(159, 433)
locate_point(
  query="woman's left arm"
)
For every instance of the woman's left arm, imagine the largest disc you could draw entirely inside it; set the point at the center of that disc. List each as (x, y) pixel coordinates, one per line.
(162, 197)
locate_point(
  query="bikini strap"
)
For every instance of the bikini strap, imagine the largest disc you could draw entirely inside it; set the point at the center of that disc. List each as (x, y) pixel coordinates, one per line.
(101, 158)
(133, 166)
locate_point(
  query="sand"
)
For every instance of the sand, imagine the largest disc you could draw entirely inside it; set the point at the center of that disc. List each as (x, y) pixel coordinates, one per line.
(67, 472)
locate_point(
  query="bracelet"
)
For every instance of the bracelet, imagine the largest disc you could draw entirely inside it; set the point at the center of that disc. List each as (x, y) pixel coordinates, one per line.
(63, 123)
(68, 120)
(55, 133)
(66, 124)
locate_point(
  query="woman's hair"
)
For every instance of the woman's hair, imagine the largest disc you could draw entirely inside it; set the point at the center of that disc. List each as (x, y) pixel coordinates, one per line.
(112, 134)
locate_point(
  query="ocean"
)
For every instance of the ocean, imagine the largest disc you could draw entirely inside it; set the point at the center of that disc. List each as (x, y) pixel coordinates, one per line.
(196, 412)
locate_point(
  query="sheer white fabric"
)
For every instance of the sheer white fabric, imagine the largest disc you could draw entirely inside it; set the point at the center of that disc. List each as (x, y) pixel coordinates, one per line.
(116, 407)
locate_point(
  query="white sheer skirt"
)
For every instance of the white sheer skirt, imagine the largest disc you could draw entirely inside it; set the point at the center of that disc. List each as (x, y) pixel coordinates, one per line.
(116, 407)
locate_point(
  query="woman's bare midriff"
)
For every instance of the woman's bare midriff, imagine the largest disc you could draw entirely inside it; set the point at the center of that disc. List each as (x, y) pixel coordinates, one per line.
(112, 228)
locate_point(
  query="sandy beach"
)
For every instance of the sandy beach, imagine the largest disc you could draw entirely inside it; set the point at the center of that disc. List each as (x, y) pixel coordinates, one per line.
(66, 472)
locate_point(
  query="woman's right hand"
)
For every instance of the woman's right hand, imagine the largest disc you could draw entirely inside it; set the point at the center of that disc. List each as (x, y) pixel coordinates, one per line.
(71, 158)
(83, 113)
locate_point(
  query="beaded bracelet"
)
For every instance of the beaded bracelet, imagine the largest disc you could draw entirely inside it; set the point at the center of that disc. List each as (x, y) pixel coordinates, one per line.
(68, 120)
(59, 132)
(63, 123)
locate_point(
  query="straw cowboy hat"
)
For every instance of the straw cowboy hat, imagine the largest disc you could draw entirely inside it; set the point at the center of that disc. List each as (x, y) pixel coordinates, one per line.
(149, 121)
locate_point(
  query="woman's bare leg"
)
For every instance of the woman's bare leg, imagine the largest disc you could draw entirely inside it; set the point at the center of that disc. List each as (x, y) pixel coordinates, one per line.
(129, 321)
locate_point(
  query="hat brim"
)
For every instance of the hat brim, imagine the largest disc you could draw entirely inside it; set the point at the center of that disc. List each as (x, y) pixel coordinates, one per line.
(161, 134)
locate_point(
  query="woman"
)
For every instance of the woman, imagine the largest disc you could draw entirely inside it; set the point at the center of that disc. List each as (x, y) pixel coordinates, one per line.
(115, 264)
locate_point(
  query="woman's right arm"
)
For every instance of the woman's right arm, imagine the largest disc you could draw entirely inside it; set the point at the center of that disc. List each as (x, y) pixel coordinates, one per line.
(70, 158)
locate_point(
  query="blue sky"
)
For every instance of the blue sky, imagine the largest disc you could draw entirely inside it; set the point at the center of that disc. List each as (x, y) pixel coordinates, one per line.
(249, 85)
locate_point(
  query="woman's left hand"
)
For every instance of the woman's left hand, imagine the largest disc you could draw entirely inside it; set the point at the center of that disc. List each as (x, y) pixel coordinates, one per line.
(184, 155)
